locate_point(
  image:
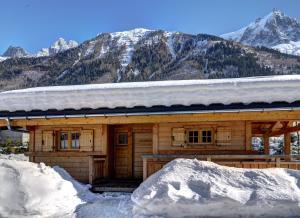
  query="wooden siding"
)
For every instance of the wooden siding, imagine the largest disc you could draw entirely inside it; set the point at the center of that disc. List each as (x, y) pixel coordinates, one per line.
(78, 167)
(92, 137)
(237, 141)
(142, 144)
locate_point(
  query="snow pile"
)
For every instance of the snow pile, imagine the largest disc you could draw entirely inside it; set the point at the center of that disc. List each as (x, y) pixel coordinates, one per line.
(181, 92)
(20, 157)
(186, 188)
(35, 190)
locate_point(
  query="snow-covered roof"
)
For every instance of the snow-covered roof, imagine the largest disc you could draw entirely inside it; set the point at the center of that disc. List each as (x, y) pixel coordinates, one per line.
(148, 94)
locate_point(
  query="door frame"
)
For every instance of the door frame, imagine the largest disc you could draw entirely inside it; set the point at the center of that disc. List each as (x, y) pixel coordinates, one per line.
(116, 131)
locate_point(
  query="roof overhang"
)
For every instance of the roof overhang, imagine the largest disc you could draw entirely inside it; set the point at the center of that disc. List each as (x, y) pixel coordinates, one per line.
(155, 110)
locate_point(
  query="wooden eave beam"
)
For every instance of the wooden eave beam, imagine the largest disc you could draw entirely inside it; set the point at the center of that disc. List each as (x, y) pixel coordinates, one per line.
(285, 131)
(205, 117)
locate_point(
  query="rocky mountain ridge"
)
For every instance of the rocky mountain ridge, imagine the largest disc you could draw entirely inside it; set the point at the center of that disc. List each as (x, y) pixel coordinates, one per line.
(144, 55)
(276, 30)
(59, 45)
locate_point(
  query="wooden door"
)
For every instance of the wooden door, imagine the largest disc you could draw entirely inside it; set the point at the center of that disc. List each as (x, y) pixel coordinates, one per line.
(123, 153)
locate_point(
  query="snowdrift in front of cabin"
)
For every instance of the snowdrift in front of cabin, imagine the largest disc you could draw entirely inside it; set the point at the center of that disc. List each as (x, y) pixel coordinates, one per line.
(35, 190)
(197, 188)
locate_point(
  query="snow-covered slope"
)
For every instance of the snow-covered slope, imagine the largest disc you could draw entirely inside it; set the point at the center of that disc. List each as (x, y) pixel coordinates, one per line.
(148, 94)
(289, 48)
(192, 188)
(3, 58)
(129, 39)
(58, 46)
(276, 30)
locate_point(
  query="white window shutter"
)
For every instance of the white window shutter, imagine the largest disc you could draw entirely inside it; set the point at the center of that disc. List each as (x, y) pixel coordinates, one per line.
(223, 136)
(86, 140)
(47, 143)
(178, 137)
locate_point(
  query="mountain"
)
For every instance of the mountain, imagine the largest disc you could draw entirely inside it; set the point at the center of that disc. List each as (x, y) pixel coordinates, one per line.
(144, 55)
(58, 46)
(276, 30)
(15, 52)
(289, 48)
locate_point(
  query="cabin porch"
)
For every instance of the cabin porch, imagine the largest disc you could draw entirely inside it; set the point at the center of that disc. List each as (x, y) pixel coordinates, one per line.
(155, 158)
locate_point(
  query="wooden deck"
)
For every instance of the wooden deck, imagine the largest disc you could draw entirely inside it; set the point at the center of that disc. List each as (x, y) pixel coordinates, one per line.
(153, 163)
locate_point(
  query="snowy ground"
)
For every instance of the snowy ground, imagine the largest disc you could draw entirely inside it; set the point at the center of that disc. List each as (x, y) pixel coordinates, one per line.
(35, 190)
(183, 188)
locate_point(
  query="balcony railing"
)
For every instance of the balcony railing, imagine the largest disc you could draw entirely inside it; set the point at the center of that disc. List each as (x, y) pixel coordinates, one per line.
(153, 163)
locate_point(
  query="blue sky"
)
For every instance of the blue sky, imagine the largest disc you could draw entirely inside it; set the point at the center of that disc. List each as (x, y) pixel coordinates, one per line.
(34, 24)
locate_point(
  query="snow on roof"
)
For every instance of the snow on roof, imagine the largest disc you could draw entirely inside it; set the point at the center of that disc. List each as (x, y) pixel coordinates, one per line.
(164, 93)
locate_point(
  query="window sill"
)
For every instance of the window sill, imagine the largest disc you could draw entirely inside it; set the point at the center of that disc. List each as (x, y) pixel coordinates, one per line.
(78, 149)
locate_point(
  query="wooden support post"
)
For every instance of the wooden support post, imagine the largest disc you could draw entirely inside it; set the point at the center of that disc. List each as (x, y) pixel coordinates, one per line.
(266, 145)
(91, 169)
(208, 158)
(277, 161)
(104, 139)
(31, 143)
(155, 138)
(287, 143)
(248, 136)
(145, 169)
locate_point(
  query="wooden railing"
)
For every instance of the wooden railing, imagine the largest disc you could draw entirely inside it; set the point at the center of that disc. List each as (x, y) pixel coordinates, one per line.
(96, 167)
(153, 163)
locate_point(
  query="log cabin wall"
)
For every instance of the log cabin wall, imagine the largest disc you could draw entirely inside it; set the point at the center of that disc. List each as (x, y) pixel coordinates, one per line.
(157, 138)
(166, 134)
(45, 147)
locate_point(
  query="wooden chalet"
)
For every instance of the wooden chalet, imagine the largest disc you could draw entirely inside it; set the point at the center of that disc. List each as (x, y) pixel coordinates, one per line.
(128, 131)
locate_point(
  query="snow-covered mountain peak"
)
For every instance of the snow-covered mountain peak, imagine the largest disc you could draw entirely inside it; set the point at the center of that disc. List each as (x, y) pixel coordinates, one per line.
(272, 30)
(59, 45)
(132, 36)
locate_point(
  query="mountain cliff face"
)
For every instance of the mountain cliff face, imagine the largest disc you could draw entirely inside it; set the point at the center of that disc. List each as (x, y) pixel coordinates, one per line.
(276, 30)
(15, 52)
(143, 55)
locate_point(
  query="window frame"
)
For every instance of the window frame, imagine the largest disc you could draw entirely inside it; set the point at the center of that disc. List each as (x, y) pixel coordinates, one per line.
(193, 136)
(66, 141)
(211, 136)
(118, 138)
(78, 140)
(69, 140)
(200, 136)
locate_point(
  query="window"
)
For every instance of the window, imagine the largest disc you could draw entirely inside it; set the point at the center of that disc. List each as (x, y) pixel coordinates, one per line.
(75, 140)
(123, 138)
(199, 136)
(193, 137)
(64, 140)
(69, 140)
(206, 136)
